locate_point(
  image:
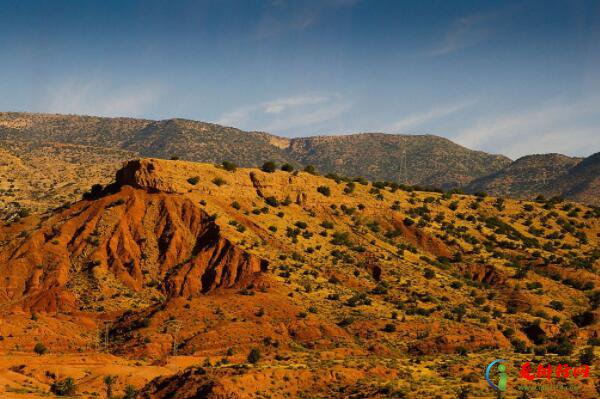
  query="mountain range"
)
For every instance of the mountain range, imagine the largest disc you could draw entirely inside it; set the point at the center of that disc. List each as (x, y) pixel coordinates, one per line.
(46, 148)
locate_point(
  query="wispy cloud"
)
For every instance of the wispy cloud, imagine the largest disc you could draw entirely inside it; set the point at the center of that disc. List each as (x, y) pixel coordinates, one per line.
(277, 106)
(282, 16)
(467, 31)
(557, 126)
(287, 113)
(418, 119)
(97, 97)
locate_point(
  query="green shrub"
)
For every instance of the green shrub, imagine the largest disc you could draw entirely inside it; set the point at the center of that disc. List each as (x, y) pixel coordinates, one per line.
(429, 273)
(326, 224)
(130, 392)
(193, 180)
(40, 348)
(310, 169)
(254, 356)
(230, 166)
(326, 191)
(286, 167)
(301, 225)
(269, 167)
(64, 387)
(218, 181)
(272, 201)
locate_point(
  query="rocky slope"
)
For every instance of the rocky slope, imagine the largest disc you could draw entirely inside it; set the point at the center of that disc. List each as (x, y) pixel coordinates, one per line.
(132, 238)
(282, 284)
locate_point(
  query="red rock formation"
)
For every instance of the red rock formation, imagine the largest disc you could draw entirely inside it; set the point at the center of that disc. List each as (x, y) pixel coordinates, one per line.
(134, 236)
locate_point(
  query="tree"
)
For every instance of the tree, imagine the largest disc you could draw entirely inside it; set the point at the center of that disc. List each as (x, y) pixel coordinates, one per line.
(310, 169)
(109, 381)
(587, 355)
(286, 167)
(40, 348)
(254, 356)
(429, 273)
(64, 387)
(326, 191)
(219, 181)
(272, 201)
(130, 392)
(229, 166)
(269, 167)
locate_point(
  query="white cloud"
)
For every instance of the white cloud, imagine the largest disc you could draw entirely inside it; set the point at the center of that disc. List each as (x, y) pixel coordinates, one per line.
(418, 119)
(308, 118)
(467, 31)
(287, 113)
(282, 16)
(557, 126)
(277, 106)
(96, 97)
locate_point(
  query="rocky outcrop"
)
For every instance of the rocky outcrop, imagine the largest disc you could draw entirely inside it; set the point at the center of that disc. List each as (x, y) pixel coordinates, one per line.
(191, 383)
(132, 238)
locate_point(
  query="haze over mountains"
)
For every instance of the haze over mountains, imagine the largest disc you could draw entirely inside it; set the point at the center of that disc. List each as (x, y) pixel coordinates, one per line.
(46, 148)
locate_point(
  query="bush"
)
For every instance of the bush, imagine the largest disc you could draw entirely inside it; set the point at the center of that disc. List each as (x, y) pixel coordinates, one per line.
(286, 167)
(326, 191)
(230, 166)
(310, 169)
(340, 238)
(254, 356)
(327, 224)
(269, 167)
(349, 187)
(219, 181)
(64, 387)
(587, 356)
(557, 305)
(193, 180)
(429, 273)
(40, 348)
(130, 392)
(109, 381)
(519, 345)
(300, 224)
(462, 351)
(389, 328)
(272, 201)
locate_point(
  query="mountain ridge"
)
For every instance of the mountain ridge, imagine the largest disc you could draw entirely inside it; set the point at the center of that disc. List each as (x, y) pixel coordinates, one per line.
(92, 148)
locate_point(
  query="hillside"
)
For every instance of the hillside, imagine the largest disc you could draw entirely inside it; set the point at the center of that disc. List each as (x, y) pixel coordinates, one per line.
(582, 182)
(93, 147)
(431, 161)
(287, 283)
(547, 174)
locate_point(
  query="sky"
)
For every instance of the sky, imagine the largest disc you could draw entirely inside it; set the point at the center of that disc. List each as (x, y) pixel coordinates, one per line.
(509, 77)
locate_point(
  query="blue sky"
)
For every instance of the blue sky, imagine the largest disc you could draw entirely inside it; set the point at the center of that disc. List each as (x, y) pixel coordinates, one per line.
(511, 77)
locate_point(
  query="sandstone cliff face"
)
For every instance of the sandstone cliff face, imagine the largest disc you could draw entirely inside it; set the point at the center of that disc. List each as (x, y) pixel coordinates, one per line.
(133, 240)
